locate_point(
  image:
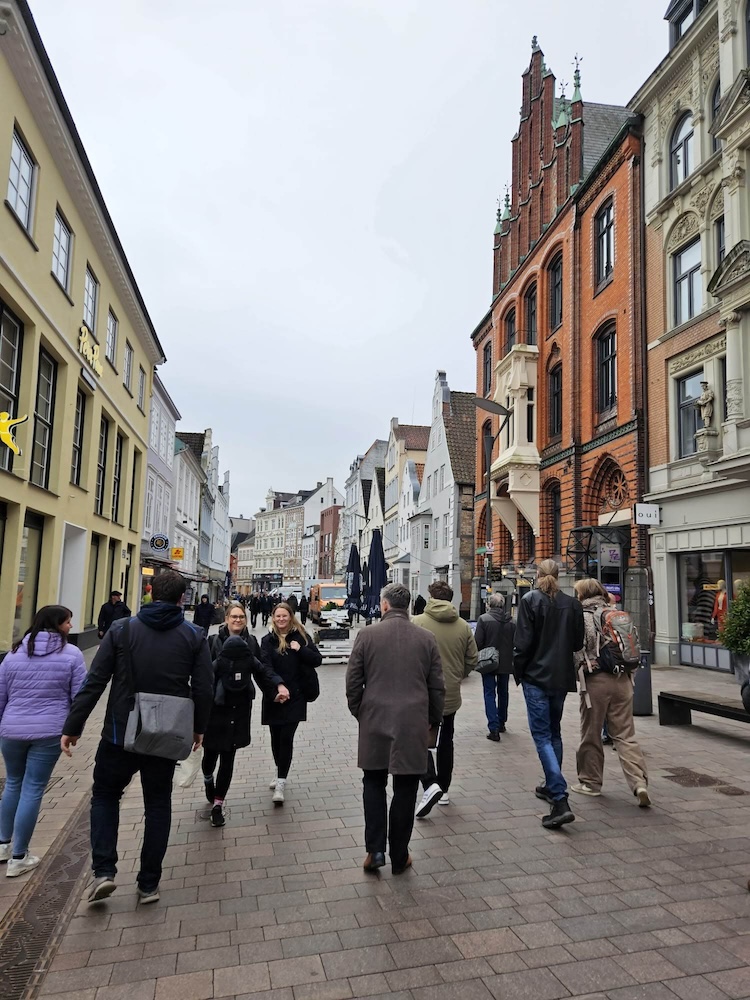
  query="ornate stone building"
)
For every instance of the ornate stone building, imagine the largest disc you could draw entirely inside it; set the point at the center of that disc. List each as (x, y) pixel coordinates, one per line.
(696, 110)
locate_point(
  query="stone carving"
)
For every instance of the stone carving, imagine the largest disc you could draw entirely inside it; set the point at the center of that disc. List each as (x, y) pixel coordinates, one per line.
(694, 357)
(707, 445)
(705, 403)
(687, 225)
(717, 208)
(729, 25)
(678, 96)
(734, 399)
(700, 200)
(739, 269)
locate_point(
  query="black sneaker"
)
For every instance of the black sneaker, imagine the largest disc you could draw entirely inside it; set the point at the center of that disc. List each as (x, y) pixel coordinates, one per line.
(559, 815)
(494, 736)
(543, 793)
(217, 816)
(210, 790)
(502, 729)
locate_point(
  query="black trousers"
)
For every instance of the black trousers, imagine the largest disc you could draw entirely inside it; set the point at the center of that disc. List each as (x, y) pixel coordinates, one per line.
(445, 756)
(114, 769)
(282, 746)
(253, 618)
(396, 825)
(225, 760)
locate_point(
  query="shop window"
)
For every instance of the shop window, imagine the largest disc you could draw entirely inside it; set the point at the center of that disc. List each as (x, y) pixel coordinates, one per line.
(605, 243)
(530, 301)
(555, 401)
(606, 349)
(79, 421)
(29, 569)
(703, 595)
(11, 337)
(687, 286)
(688, 416)
(91, 584)
(555, 277)
(43, 418)
(681, 150)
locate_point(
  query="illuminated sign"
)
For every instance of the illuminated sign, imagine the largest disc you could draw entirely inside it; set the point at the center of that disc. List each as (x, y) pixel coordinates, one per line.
(178, 554)
(88, 347)
(159, 543)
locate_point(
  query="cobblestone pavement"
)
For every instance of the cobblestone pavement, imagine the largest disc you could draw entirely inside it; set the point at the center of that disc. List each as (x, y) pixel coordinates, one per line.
(623, 904)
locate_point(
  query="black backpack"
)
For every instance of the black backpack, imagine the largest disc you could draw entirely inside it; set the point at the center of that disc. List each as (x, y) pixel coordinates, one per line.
(234, 670)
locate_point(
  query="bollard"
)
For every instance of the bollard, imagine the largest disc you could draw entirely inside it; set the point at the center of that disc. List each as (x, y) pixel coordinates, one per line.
(642, 699)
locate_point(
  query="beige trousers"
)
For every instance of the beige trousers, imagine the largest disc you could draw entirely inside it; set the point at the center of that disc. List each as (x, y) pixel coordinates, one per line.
(611, 699)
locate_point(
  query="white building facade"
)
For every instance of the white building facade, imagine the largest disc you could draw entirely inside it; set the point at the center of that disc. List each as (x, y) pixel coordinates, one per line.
(189, 481)
(158, 511)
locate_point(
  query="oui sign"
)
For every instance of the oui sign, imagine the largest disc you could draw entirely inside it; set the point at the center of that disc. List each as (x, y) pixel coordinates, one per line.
(89, 349)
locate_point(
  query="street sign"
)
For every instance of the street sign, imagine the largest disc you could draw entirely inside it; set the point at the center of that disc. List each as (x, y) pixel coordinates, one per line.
(481, 550)
(490, 547)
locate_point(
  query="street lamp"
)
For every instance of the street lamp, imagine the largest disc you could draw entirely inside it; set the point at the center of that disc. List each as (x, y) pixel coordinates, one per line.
(490, 406)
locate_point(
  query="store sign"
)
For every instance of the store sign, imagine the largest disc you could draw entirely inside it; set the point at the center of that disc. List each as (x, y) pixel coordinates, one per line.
(647, 513)
(147, 571)
(159, 543)
(89, 349)
(178, 554)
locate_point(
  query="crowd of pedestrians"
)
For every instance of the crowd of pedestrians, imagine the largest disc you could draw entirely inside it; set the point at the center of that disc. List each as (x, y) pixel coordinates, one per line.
(403, 686)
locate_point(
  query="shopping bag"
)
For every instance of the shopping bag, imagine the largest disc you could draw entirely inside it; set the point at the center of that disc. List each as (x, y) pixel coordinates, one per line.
(187, 770)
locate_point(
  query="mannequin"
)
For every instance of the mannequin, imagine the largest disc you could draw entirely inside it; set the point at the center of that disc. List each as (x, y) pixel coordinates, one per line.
(720, 605)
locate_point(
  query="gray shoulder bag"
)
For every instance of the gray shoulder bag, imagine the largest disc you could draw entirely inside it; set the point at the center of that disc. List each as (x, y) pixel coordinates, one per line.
(159, 725)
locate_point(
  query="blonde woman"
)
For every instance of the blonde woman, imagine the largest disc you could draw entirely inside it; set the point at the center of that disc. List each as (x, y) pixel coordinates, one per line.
(605, 696)
(288, 651)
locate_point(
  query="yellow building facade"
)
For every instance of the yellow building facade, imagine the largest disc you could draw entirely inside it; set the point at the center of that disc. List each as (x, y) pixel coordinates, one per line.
(77, 355)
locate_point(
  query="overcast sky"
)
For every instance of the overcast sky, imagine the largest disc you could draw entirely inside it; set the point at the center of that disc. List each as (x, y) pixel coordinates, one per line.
(306, 191)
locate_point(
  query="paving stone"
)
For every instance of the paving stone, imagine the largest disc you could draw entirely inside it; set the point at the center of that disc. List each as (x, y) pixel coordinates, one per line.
(241, 979)
(194, 986)
(644, 991)
(596, 974)
(534, 984)
(207, 958)
(734, 982)
(472, 989)
(337, 990)
(73, 979)
(146, 968)
(406, 979)
(358, 962)
(467, 968)
(367, 986)
(697, 958)
(648, 966)
(312, 944)
(145, 990)
(539, 935)
(296, 971)
(428, 951)
(696, 988)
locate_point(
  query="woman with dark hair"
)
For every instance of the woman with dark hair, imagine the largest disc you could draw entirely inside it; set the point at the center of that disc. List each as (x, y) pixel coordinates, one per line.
(38, 680)
(204, 613)
(288, 652)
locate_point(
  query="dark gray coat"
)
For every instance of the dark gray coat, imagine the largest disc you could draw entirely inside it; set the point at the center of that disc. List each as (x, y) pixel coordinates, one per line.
(395, 690)
(496, 629)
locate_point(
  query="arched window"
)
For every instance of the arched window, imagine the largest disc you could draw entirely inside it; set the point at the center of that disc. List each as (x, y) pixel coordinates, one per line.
(555, 278)
(555, 518)
(510, 329)
(606, 368)
(530, 305)
(681, 150)
(486, 443)
(715, 102)
(487, 368)
(555, 401)
(605, 242)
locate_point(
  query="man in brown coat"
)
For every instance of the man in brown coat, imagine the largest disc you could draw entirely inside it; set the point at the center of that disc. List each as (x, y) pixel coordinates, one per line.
(395, 690)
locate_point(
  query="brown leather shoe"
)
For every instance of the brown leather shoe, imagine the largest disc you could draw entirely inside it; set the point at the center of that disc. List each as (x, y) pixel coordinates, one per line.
(400, 869)
(373, 861)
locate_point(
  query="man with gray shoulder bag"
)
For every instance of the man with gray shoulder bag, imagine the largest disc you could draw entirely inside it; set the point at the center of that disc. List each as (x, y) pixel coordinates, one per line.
(494, 638)
(157, 712)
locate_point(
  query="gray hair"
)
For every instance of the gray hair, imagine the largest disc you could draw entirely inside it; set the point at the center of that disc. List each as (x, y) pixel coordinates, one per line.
(397, 595)
(496, 601)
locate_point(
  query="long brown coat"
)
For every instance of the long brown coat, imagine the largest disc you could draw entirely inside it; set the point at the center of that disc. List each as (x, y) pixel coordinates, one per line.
(395, 690)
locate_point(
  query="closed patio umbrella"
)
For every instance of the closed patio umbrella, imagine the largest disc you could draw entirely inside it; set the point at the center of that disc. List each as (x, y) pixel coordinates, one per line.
(377, 575)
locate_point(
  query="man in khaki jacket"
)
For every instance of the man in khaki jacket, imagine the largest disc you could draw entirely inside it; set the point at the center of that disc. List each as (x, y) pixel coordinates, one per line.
(458, 654)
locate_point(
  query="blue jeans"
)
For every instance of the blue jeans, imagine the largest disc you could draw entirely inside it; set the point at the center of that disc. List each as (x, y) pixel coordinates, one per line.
(545, 712)
(28, 765)
(495, 700)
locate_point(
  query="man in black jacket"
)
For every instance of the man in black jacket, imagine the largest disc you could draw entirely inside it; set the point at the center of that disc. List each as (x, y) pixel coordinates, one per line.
(495, 629)
(549, 630)
(111, 612)
(169, 656)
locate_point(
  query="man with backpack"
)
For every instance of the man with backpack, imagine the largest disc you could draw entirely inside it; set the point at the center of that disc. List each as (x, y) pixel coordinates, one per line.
(610, 655)
(494, 639)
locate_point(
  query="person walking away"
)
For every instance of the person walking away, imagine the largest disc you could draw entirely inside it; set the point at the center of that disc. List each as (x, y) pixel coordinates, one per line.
(236, 661)
(458, 655)
(265, 608)
(38, 680)
(604, 696)
(549, 630)
(304, 608)
(203, 616)
(287, 652)
(254, 603)
(419, 605)
(112, 611)
(293, 603)
(168, 656)
(495, 630)
(395, 691)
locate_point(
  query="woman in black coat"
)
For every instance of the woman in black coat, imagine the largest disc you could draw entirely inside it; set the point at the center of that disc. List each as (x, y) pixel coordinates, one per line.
(204, 613)
(287, 651)
(236, 659)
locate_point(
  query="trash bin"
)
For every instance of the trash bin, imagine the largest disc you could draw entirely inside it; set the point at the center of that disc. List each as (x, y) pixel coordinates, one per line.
(642, 698)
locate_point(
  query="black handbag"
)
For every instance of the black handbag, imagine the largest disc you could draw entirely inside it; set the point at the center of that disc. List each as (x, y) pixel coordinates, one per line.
(309, 684)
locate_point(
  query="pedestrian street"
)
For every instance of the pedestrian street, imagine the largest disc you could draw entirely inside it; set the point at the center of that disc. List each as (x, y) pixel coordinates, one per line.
(624, 903)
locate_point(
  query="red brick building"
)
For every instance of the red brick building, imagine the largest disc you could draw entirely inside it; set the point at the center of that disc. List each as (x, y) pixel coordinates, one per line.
(329, 530)
(562, 344)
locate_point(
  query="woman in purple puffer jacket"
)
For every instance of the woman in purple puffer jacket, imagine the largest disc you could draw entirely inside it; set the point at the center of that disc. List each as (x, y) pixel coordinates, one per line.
(38, 681)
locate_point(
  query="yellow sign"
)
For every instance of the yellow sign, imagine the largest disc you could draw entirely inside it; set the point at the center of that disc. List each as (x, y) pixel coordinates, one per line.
(178, 554)
(89, 349)
(6, 434)
(147, 571)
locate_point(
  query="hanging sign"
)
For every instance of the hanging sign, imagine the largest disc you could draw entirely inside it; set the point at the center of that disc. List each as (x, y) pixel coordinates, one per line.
(159, 543)
(178, 553)
(88, 347)
(646, 513)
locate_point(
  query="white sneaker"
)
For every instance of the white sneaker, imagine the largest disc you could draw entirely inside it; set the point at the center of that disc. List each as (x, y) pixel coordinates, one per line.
(644, 799)
(430, 797)
(278, 795)
(272, 783)
(19, 866)
(6, 852)
(583, 789)
(445, 801)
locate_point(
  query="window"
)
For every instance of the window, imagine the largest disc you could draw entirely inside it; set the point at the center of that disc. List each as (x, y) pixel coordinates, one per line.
(21, 180)
(681, 150)
(487, 368)
(720, 240)
(10, 374)
(116, 479)
(101, 466)
(607, 368)
(446, 531)
(555, 401)
(78, 424)
(605, 243)
(148, 521)
(141, 388)
(43, 415)
(688, 290)
(555, 503)
(127, 371)
(510, 329)
(429, 484)
(436, 523)
(555, 292)
(688, 415)
(531, 316)
(154, 430)
(426, 541)
(442, 477)
(61, 238)
(90, 299)
(684, 22)
(530, 416)
(715, 104)
(111, 347)
(29, 571)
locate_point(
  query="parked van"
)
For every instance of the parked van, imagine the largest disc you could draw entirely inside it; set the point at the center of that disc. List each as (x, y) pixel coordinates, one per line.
(323, 594)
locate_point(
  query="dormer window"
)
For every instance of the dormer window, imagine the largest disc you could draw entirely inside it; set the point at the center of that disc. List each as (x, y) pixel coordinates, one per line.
(681, 15)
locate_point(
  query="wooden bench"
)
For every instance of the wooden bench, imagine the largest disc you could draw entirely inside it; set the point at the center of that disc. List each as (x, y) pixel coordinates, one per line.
(676, 708)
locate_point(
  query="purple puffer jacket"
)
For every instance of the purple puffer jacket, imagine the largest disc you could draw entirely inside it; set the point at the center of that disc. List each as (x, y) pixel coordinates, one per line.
(36, 691)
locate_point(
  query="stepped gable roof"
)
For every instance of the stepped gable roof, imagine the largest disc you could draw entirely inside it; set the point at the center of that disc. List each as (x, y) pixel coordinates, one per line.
(601, 123)
(193, 441)
(380, 480)
(461, 436)
(414, 436)
(366, 487)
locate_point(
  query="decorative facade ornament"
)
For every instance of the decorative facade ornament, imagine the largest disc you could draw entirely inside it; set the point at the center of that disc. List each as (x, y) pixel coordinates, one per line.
(693, 358)
(734, 399)
(678, 97)
(717, 208)
(687, 225)
(707, 445)
(700, 199)
(705, 403)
